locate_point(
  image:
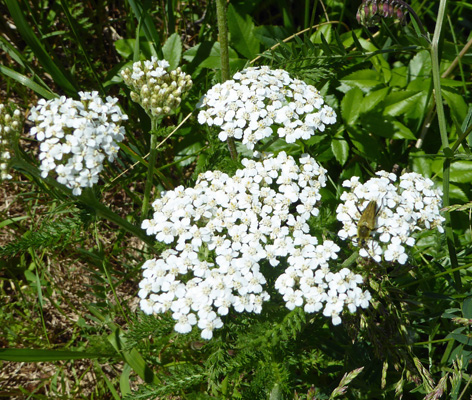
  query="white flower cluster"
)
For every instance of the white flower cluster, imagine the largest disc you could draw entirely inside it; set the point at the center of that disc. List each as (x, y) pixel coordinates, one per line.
(159, 92)
(259, 100)
(402, 209)
(76, 136)
(224, 228)
(10, 127)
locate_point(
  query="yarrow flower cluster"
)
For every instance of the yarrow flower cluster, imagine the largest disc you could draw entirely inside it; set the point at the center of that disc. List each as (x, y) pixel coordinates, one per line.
(259, 101)
(411, 205)
(76, 136)
(10, 127)
(226, 230)
(158, 91)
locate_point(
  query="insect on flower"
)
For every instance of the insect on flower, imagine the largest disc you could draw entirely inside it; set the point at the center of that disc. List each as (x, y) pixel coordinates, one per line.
(367, 223)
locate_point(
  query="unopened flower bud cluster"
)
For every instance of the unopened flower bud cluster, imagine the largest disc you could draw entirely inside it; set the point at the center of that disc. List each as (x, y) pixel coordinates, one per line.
(158, 91)
(259, 101)
(404, 207)
(225, 228)
(11, 124)
(76, 136)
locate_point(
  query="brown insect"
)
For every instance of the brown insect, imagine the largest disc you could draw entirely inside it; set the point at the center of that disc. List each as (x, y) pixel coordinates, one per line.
(367, 223)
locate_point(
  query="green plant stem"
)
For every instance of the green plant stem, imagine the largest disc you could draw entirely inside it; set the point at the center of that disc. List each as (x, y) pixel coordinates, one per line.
(151, 165)
(444, 138)
(224, 56)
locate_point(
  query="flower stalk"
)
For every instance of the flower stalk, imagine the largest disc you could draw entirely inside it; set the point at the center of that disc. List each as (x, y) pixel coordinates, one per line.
(224, 56)
(151, 165)
(434, 51)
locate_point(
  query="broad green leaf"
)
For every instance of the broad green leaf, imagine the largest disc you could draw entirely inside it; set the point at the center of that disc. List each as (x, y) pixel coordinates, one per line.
(39, 355)
(340, 148)
(372, 99)
(420, 65)
(461, 338)
(378, 125)
(382, 66)
(241, 29)
(207, 55)
(125, 48)
(385, 126)
(351, 106)
(421, 163)
(172, 50)
(399, 77)
(406, 103)
(461, 171)
(324, 33)
(364, 79)
(467, 308)
(450, 83)
(456, 104)
(366, 143)
(402, 132)
(125, 387)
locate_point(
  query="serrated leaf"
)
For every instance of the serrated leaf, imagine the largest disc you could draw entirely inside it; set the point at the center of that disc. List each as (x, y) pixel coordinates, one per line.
(241, 29)
(420, 65)
(407, 103)
(172, 50)
(351, 106)
(456, 104)
(208, 55)
(402, 132)
(340, 148)
(372, 99)
(364, 79)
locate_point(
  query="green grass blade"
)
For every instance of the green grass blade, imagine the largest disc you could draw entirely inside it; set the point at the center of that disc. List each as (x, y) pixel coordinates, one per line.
(56, 71)
(73, 27)
(44, 355)
(148, 27)
(25, 81)
(132, 357)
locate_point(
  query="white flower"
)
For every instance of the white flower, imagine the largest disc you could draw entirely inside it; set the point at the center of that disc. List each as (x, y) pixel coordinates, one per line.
(184, 322)
(76, 137)
(401, 209)
(259, 101)
(224, 229)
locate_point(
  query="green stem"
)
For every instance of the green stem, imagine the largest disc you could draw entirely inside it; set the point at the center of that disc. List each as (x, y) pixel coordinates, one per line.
(437, 76)
(444, 138)
(151, 165)
(224, 56)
